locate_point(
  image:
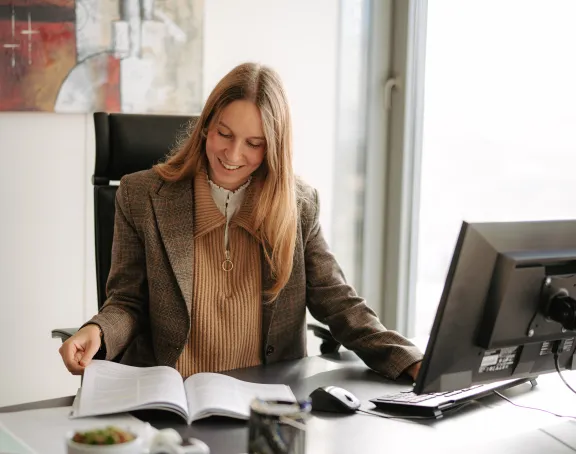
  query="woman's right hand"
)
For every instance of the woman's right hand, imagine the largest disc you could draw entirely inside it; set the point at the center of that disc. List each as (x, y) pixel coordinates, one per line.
(78, 350)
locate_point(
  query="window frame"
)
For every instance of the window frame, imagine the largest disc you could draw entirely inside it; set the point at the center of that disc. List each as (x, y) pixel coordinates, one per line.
(394, 161)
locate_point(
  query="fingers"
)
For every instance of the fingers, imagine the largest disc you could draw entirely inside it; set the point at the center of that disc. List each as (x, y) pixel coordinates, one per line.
(91, 349)
(78, 351)
(69, 353)
(414, 370)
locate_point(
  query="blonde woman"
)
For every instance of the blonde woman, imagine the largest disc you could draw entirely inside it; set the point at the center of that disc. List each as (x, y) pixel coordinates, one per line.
(218, 252)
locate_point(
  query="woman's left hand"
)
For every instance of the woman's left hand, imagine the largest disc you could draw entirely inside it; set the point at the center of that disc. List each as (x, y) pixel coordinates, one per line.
(414, 369)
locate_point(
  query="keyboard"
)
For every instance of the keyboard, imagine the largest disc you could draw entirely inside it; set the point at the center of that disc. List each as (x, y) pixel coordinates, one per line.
(436, 405)
(409, 396)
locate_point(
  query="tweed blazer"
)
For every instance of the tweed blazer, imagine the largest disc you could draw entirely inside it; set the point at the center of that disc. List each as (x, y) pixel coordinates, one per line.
(146, 318)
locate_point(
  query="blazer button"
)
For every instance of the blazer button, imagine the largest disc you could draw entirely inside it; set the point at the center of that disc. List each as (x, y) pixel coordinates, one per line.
(269, 350)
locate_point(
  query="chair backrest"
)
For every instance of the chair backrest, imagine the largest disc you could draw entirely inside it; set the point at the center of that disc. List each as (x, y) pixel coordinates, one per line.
(125, 143)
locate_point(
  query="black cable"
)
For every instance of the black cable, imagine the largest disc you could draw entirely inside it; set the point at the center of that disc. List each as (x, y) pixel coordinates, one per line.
(557, 364)
(532, 408)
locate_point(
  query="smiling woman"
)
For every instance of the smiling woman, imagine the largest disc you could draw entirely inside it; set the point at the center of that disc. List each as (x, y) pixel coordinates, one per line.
(252, 101)
(235, 145)
(218, 252)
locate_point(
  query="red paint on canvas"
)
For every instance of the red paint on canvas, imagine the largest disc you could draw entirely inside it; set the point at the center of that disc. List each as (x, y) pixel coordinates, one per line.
(112, 95)
(31, 74)
(36, 58)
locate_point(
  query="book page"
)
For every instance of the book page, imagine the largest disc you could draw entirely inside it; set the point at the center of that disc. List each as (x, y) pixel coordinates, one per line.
(216, 394)
(109, 387)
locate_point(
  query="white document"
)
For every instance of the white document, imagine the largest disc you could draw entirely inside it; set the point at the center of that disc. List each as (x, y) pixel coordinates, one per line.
(219, 395)
(109, 387)
(44, 431)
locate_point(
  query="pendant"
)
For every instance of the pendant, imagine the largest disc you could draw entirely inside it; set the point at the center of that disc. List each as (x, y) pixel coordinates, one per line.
(227, 264)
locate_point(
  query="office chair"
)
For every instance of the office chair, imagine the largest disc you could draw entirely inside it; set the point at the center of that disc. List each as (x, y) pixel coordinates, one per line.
(127, 143)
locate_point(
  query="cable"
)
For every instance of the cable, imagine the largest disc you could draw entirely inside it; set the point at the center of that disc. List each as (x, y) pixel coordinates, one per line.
(557, 364)
(532, 408)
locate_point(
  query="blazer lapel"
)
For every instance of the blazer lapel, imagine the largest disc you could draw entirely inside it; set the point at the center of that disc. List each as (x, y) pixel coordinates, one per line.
(173, 207)
(268, 307)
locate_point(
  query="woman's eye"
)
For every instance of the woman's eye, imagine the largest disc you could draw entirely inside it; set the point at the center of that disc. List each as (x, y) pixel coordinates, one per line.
(226, 136)
(254, 145)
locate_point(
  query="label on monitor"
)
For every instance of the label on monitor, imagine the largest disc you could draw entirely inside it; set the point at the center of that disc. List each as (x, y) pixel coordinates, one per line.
(498, 359)
(546, 348)
(568, 344)
(565, 346)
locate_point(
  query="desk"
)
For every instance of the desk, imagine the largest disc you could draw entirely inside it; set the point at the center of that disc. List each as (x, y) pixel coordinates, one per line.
(490, 420)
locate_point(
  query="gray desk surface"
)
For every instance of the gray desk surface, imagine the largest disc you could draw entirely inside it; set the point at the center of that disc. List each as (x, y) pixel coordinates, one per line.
(480, 427)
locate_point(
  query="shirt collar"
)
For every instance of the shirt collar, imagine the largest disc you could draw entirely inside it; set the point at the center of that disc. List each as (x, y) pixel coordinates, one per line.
(208, 216)
(223, 197)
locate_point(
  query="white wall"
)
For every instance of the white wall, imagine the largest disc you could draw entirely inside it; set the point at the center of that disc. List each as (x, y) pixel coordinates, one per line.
(42, 194)
(46, 225)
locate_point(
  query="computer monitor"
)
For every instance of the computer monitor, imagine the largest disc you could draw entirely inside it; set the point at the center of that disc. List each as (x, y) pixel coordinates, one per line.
(507, 307)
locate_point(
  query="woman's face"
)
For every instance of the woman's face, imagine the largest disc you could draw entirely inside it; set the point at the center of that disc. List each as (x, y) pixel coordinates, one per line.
(235, 145)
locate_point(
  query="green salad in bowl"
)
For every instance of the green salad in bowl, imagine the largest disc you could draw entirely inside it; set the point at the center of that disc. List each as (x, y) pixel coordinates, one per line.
(107, 436)
(109, 440)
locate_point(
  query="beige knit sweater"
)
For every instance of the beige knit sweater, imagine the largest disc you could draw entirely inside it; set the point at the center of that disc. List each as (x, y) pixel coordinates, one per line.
(226, 331)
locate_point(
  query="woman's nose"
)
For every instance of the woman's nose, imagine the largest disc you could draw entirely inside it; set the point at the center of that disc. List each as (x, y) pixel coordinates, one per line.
(234, 153)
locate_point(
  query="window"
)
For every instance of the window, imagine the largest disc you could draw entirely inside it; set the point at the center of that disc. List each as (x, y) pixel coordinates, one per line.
(499, 142)
(349, 157)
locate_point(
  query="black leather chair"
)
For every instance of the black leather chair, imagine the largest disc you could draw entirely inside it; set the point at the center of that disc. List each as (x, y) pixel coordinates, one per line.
(127, 143)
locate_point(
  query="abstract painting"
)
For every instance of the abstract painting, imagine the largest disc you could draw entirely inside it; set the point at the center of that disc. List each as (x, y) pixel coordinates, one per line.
(73, 56)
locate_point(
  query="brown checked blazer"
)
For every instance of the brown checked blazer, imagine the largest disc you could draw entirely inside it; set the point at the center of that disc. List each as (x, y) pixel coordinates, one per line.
(146, 318)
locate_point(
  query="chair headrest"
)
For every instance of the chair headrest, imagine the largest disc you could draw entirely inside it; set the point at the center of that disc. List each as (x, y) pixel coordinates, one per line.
(127, 143)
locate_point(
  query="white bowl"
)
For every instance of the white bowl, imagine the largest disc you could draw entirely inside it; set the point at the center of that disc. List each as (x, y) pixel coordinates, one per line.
(130, 447)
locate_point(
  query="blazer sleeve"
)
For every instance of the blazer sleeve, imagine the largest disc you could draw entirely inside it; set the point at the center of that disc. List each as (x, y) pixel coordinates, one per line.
(127, 286)
(352, 323)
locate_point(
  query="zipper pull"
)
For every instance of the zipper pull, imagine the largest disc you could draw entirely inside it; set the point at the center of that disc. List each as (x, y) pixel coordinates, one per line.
(227, 264)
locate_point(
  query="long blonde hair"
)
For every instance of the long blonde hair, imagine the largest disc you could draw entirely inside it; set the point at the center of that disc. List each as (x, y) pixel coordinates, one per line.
(275, 211)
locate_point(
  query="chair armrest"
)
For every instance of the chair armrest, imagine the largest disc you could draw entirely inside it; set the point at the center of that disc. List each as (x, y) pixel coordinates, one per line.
(329, 344)
(63, 333)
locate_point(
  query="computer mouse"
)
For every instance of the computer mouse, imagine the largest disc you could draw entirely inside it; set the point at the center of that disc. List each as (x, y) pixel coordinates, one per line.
(334, 399)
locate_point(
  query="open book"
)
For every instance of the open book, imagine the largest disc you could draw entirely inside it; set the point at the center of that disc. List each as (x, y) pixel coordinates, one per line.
(109, 387)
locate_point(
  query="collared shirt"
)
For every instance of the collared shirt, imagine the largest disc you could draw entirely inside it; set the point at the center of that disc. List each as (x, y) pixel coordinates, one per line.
(228, 202)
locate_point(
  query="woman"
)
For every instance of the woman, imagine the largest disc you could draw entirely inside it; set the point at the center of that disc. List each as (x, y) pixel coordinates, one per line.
(218, 251)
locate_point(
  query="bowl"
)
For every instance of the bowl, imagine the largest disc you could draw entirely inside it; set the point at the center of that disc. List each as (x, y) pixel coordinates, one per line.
(134, 446)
